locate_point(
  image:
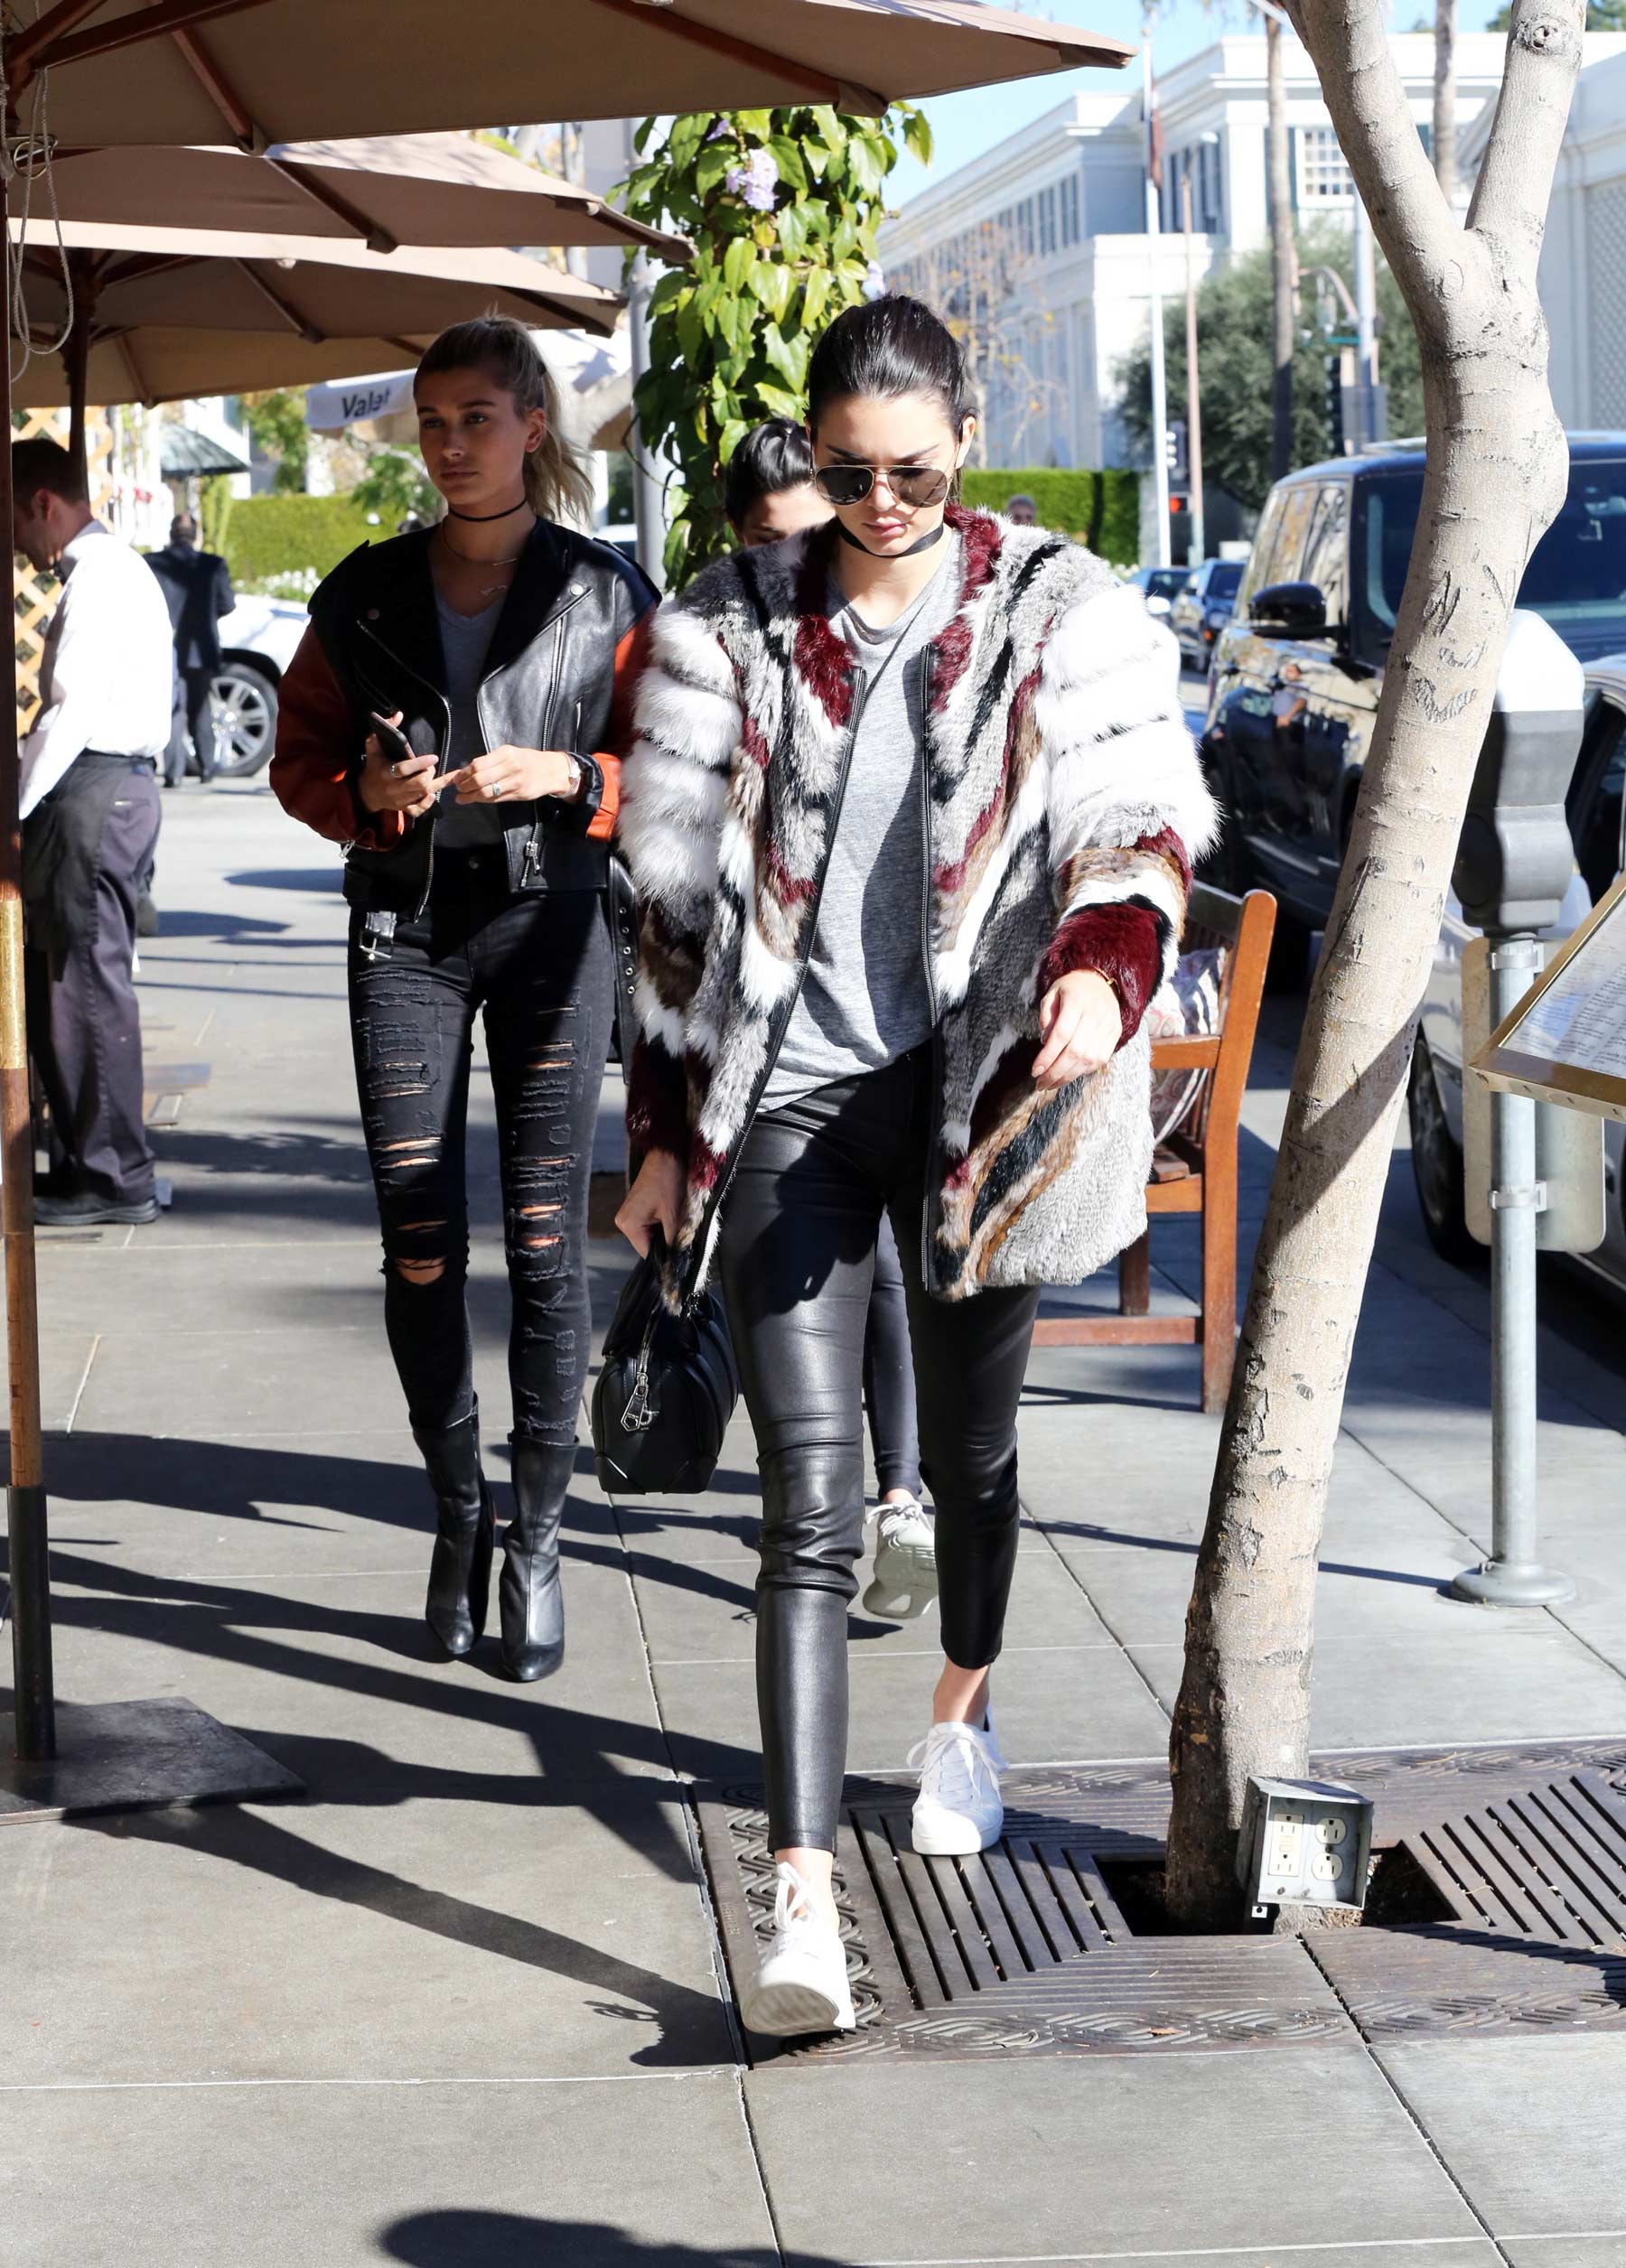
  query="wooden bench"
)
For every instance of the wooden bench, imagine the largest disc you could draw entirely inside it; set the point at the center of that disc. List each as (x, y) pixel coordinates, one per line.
(1195, 1170)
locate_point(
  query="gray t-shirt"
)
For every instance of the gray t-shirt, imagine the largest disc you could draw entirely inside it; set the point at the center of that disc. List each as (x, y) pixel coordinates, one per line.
(866, 999)
(465, 640)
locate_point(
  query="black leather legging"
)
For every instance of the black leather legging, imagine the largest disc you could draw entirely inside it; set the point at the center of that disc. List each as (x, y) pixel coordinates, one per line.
(797, 1259)
(889, 1382)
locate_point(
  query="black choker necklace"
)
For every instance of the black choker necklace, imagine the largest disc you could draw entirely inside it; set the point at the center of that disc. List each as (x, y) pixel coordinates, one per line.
(932, 536)
(478, 520)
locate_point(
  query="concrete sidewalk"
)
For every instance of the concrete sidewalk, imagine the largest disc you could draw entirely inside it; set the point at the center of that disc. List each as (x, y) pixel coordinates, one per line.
(462, 2005)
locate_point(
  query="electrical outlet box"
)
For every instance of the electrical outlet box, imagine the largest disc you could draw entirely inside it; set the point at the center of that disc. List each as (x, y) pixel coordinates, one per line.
(1304, 1841)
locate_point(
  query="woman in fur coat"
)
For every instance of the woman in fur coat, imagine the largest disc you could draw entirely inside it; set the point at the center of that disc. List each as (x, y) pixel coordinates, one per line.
(912, 810)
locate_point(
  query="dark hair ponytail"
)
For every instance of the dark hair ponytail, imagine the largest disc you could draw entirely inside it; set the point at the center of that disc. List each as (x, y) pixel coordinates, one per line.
(888, 347)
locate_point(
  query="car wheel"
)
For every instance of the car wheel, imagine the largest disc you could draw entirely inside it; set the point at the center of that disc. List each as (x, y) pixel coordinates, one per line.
(1436, 1159)
(245, 717)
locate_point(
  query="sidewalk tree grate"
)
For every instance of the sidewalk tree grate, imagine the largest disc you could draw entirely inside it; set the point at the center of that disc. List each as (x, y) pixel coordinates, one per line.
(1023, 1950)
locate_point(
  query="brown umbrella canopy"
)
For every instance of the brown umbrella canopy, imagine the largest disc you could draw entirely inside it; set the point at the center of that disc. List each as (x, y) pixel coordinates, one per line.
(171, 313)
(260, 72)
(435, 189)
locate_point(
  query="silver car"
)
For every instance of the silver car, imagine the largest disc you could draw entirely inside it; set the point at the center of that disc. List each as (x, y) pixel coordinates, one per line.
(258, 642)
(1597, 816)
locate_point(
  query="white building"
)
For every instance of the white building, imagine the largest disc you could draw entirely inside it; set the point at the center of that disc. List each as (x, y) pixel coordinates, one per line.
(1065, 199)
(1583, 274)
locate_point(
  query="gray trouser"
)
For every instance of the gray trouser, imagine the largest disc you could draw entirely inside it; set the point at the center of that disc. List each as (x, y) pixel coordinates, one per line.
(84, 1025)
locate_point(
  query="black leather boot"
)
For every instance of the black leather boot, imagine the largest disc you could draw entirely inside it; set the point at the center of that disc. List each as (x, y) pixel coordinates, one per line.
(529, 1596)
(460, 1568)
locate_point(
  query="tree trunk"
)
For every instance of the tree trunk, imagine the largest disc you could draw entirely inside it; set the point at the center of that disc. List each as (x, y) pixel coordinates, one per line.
(1444, 100)
(1496, 473)
(1284, 257)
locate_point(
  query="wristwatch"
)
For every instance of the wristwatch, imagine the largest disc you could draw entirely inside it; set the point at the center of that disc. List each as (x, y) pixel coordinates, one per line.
(572, 793)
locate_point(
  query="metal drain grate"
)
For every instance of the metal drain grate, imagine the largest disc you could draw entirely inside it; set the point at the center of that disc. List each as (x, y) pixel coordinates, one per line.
(967, 1925)
(1023, 1950)
(1549, 1863)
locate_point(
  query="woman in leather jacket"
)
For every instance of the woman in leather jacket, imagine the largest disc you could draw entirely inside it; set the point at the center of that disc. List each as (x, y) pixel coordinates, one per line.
(478, 868)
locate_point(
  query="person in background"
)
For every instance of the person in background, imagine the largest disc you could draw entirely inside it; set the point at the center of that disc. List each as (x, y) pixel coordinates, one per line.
(1021, 511)
(452, 716)
(89, 800)
(769, 494)
(197, 590)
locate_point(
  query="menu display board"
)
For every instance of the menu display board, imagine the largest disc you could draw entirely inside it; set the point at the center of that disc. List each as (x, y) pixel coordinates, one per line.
(1565, 1041)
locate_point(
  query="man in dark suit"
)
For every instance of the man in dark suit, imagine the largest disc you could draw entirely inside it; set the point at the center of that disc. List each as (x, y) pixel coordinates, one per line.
(197, 590)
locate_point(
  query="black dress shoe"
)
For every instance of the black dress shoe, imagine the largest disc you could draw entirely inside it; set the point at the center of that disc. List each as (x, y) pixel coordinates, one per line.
(84, 1210)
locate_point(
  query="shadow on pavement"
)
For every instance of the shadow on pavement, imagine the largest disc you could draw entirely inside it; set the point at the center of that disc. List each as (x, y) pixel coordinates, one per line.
(472, 2239)
(690, 2028)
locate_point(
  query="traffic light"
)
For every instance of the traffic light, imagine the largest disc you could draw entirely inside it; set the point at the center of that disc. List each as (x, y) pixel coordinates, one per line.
(1335, 395)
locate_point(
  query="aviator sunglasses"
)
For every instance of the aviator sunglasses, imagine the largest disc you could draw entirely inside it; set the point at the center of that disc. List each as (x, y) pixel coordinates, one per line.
(913, 485)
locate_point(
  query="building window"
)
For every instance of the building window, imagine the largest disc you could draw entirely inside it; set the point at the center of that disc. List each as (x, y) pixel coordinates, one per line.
(1324, 174)
(1071, 229)
(1210, 199)
(1025, 227)
(1047, 223)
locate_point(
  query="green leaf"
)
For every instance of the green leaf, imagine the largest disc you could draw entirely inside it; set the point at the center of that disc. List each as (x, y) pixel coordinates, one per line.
(789, 355)
(691, 330)
(780, 404)
(832, 132)
(757, 123)
(864, 165)
(712, 162)
(737, 263)
(791, 227)
(788, 160)
(730, 438)
(844, 240)
(816, 291)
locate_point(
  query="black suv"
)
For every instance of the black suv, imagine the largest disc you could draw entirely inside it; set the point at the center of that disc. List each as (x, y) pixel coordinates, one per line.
(1297, 673)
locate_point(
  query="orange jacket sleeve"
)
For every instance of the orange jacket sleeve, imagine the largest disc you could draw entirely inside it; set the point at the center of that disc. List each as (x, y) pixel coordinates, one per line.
(630, 656)
(314, 770)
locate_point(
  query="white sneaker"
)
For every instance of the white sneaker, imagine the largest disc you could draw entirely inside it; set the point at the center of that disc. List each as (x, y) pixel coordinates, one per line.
(958, 1809)
(905, 1579)
(801, 1985)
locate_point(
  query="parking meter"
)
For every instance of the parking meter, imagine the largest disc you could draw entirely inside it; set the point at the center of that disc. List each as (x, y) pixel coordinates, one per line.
(1515, 858)
(1514, 864)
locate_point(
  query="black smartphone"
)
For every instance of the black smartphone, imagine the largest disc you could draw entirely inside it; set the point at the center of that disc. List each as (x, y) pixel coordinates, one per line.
(397, 749)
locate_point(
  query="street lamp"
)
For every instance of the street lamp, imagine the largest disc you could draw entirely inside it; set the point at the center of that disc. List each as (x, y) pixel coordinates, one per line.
(1199, 538)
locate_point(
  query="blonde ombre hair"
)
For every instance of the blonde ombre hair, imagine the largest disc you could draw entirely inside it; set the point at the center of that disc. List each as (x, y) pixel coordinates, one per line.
(556, 483)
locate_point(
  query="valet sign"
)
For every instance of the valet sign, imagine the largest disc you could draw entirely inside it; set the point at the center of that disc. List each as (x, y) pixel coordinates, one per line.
(355, 401)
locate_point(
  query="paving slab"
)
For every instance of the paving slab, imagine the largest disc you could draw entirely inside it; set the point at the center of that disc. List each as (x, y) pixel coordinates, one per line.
(1492, 1677)
(482, 2176)
(335, 1676)
(708, 1614)
(291, 1506)
(1562, 2174)
(1051, 1705)
(1116, 2156)
(520, 1934)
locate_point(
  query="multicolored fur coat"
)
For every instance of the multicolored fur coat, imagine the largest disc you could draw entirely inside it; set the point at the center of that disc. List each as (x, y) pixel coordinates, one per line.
(1066, 805)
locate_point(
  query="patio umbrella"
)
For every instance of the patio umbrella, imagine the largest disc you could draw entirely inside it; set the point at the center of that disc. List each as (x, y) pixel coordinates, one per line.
(280, 70)
(160, 314)
(425, 189)
(259, 72)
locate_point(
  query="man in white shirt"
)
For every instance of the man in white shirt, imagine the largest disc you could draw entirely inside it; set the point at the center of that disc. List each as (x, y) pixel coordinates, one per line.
(90, 812)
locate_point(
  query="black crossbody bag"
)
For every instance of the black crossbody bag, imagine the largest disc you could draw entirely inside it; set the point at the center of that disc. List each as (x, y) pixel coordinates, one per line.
(667, 1390)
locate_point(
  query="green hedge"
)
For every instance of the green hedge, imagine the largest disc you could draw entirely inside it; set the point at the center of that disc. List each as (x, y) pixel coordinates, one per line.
(269, 536)
(1102, 509)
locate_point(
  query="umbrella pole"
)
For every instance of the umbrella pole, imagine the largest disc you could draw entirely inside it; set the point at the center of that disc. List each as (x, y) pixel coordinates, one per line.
(25, 1497)
(76, 355)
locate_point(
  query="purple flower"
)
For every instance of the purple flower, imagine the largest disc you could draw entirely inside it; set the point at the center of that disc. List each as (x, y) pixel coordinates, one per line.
(719, 127)
(755, 181)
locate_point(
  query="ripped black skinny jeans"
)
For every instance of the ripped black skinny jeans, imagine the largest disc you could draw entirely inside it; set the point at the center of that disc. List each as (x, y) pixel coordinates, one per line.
(539, 970)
